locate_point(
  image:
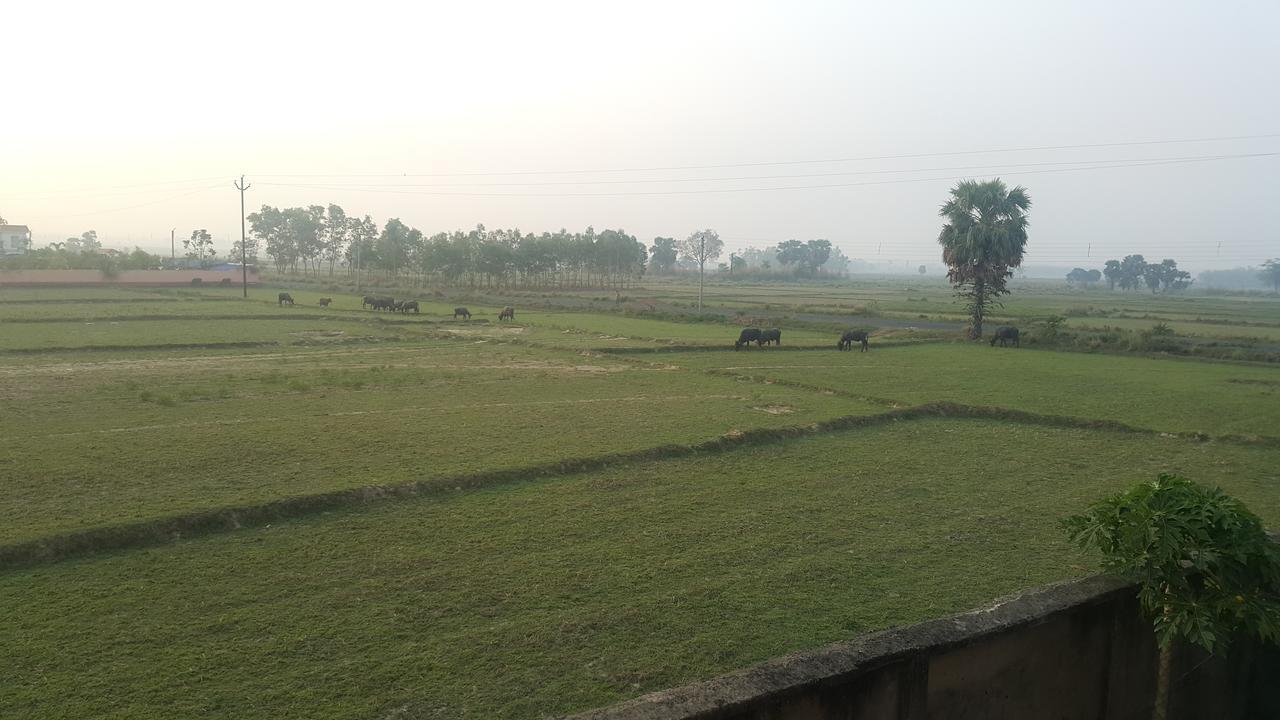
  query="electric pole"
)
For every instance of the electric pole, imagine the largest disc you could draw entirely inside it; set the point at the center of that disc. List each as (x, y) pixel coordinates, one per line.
(173, 255)
(244, 256)
(702, 261)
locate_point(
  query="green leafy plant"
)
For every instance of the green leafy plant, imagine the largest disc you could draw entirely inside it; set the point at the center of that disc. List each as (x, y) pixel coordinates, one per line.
(1204, 565)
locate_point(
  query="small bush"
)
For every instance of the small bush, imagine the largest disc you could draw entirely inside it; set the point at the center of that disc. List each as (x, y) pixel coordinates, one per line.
(197, 281)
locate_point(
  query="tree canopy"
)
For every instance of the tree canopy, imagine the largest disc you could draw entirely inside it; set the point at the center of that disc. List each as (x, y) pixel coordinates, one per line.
(983, 239)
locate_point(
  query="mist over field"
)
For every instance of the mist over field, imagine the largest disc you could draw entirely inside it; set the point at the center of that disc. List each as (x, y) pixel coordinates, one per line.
(661, 120)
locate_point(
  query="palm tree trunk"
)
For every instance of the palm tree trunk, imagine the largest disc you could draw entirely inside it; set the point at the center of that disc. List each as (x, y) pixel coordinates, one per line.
(1163, 669)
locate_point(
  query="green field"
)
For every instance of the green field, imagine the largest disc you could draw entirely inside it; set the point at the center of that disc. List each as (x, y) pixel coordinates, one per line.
(588, 520)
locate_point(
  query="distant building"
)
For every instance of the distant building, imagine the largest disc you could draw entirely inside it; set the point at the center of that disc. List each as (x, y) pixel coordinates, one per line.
(14, 239)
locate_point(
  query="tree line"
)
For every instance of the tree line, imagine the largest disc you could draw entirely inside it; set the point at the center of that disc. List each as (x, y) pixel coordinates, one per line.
(1133, 272)
(316, 239)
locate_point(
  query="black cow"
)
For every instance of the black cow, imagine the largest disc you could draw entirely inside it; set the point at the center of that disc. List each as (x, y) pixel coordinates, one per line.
(397, 306)
(508, 313)
(465, 313)
(283, 298)
(850, 337)
(324, 302)
(771, 336)
(409, 305)
(1005, 334)
(367, 300)
(384, 303)
(746, 337)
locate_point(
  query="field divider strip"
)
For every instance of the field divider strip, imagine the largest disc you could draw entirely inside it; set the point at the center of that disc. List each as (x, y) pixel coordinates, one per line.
(164, 530)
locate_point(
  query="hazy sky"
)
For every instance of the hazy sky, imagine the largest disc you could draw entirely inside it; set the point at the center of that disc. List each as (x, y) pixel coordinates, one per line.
(133, 118)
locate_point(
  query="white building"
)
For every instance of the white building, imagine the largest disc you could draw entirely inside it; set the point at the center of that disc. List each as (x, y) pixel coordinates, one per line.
(14, 239)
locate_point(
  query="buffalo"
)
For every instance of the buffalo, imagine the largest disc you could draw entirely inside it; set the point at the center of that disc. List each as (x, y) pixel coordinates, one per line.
(367, 300)
(384, 303)
(283, 298)
(508, 313)
(463, 312)
(771, 336)
(746, 337)
(1005, 334)
(397, 306)
(409, 305)
(324, 302)
(850, 337)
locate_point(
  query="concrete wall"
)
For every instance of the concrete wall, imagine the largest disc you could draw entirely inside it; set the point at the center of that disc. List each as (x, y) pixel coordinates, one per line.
(149, 278)
(1076, 650)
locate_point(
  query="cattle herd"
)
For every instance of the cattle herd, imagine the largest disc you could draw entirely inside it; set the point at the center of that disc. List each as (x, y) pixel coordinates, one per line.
(1004, 334)
(380, 302)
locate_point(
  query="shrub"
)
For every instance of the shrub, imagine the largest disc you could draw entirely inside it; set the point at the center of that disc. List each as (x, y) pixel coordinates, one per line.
(1204, 565)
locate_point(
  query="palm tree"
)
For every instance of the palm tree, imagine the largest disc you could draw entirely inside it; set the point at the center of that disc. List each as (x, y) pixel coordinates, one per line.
(985, 235)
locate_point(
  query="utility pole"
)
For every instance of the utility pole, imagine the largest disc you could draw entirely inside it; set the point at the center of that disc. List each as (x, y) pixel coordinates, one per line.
(702, 262)
(173, 254)
(244, 256)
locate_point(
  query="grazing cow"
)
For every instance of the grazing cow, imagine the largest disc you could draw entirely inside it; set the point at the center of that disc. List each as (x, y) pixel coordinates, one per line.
(397, 306)
(324, 302)
(1005, 334)
(367, 300)
(465, 313)
(850, 337)
(770, 336)
(746, 337)
(384, 303)
(283, 298)
(409, 305)
(508, 313)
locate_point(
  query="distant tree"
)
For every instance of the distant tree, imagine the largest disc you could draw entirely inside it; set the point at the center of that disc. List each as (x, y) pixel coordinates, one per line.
(3, 221)
(1093, 276)
(983, 239)
(818, 252)
(199, 246)
(737, 264)
(1271, 274)
(1078, 276)
(1204, 565)
(1112, 272)
(140, 259)
(1171, 278)
(663, 256)
(1153, 276)
(807, 257)
(86, 243)
(335, 233)
(701, 247)
(270, 226)
(1133, 270)
(922, 269)
(837, 264)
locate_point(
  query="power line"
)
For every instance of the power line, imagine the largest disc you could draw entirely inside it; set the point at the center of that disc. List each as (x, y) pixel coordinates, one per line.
(774, 177)
(130, 207)
(102, 189)
(705, 191)
(793, 162)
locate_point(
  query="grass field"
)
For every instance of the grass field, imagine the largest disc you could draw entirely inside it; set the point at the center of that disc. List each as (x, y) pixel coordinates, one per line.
(588, 521)
(565, 593)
